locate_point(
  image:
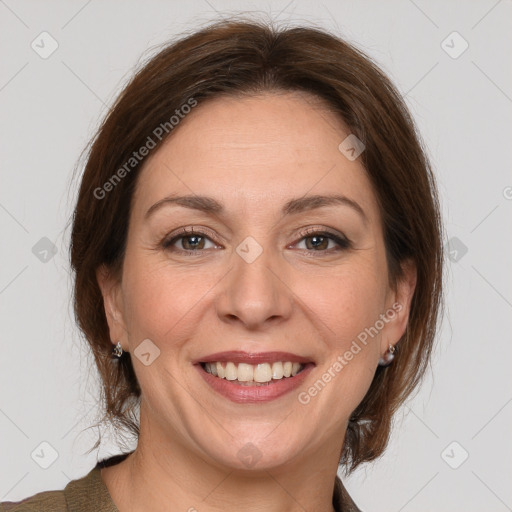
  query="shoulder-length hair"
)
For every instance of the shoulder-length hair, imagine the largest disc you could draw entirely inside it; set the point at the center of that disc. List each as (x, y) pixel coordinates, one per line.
(244, 58)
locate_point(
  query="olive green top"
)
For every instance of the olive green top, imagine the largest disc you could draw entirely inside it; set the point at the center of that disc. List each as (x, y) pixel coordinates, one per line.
(87, 494)
(90, 494)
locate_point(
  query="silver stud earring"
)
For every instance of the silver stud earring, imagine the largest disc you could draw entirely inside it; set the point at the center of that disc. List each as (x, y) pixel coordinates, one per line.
(388, 356)
(118, 350)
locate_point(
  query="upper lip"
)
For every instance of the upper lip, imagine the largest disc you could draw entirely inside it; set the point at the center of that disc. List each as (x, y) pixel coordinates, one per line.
(239, 356)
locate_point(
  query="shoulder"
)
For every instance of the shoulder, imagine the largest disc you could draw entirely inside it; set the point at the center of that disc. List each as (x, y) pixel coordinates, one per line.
(47, 501)
(86, 494)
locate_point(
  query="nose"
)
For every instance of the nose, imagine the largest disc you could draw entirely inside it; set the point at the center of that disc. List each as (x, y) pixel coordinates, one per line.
(255, 294)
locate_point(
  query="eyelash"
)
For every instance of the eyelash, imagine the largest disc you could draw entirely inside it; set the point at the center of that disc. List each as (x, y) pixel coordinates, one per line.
(343, 242)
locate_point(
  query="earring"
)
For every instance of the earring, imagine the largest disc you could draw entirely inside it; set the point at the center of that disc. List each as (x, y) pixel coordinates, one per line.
(388, 356)
(118, 350)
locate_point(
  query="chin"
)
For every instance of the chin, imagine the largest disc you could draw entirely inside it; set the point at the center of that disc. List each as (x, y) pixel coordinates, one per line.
(254, 453)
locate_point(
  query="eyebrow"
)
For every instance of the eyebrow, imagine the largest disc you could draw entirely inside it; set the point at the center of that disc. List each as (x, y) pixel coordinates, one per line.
(209, 205)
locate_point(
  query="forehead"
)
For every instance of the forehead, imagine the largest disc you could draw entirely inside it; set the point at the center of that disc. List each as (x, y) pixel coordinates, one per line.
(256, 151)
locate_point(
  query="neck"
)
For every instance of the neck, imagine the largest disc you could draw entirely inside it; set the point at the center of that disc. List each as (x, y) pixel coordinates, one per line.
(162, 474)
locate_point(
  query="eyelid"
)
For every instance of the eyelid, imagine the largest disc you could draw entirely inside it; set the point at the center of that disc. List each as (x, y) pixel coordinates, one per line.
(340, 238)
(189, 231)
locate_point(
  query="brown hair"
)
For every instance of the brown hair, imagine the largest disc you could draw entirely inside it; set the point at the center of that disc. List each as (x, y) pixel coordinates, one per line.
(238, 57)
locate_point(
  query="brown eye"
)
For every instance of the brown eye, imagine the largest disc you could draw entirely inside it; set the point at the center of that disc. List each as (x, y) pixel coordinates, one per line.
(316, 242)
(321, 241)
(188, 241)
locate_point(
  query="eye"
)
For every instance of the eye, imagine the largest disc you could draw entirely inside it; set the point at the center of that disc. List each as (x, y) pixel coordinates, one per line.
(188, 240)
(322, 241)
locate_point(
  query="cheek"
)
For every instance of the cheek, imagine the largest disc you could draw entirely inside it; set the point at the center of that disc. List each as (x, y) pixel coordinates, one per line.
(346, 302)
(160, 301)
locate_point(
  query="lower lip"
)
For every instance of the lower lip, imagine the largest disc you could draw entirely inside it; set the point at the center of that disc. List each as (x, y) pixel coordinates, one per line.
(250, 394)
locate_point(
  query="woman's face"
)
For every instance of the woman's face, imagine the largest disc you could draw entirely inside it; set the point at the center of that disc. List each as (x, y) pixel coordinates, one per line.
(261, 175)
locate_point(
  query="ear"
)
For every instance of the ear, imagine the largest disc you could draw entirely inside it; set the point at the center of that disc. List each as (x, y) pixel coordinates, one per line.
(399, 305)
(110, 287)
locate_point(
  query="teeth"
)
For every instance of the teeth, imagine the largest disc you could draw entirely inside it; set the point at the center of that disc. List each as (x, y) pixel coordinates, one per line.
(277, 371)
(245, 372)
(212, 368)
(260, 373)
(220, 370)
(231, 371)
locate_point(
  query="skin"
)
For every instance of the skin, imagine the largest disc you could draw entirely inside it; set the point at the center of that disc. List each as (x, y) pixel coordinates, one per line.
(251, 154)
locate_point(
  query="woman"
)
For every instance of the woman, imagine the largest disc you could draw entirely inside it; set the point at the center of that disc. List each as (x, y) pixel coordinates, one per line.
(257, 238)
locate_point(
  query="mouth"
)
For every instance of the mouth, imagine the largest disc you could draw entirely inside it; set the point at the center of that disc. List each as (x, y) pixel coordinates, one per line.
(262, 374)
(243, 377)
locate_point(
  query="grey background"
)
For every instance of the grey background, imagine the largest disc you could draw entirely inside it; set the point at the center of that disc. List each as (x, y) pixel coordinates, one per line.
(49, 109)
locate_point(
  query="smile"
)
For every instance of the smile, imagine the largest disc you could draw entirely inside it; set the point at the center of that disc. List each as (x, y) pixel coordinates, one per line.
(253, 375)
(251, 378)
